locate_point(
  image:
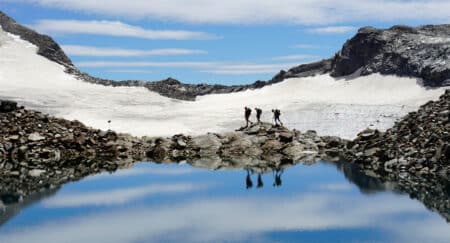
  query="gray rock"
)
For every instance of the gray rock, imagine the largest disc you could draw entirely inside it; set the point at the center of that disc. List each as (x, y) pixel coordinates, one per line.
(35, 137)
(36, 172)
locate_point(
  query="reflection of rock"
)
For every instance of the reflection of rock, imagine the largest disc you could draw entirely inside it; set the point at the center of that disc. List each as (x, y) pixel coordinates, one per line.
(432, 191)
(366, 183)
(37, 150)
(11, 204)
(259, 142)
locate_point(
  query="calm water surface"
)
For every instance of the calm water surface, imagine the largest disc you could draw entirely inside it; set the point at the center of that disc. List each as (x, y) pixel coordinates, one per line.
(150, 202)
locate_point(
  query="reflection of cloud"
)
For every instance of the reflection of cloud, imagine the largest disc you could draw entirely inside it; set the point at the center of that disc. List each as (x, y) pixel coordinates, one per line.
(114, 197)
(425, 230)
(135, 171)
(216, 220)
(335, 187)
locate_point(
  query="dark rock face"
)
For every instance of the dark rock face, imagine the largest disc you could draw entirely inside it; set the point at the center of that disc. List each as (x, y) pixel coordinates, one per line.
(421, 52)
(7, 106)
(47, 46)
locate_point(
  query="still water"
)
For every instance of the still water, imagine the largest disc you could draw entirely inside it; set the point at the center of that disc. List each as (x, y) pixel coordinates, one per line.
(149, 202)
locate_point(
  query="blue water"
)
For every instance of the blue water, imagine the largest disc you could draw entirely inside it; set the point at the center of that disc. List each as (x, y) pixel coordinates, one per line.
(179, 203)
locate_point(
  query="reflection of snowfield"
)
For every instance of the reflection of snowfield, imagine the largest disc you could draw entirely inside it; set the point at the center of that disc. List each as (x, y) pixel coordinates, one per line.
(321, 103)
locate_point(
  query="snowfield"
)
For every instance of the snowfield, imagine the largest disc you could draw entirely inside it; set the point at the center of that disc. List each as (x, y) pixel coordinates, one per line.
(340, 107)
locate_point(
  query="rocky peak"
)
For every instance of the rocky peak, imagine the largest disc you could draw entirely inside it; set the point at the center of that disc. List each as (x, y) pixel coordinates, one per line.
(421, 52)
(47, 46)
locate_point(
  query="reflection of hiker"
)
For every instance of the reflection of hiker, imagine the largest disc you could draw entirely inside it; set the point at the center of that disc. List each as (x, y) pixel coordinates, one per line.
(248, 180)
(260, 182)
(247, 114)
(276, 117)
(277, 182)
(258, 115)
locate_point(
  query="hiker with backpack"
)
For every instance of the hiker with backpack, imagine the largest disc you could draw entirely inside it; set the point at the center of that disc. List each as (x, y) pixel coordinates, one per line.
(276, 117)
(247, 113)
(258, 115)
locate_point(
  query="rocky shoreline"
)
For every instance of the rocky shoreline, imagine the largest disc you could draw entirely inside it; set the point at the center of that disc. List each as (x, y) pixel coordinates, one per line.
(35, 146)
(40, 151)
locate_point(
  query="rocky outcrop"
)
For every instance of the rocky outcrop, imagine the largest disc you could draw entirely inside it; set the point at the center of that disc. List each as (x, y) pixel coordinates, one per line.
(259, 142)
(421, 52)
(47, 46)
(417, 145)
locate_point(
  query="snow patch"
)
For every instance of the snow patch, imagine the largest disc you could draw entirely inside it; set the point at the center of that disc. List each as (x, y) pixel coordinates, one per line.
(330, 106)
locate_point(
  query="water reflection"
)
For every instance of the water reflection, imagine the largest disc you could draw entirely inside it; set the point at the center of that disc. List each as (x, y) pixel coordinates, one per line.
(181, 203)
(260, 184)
(11, 205)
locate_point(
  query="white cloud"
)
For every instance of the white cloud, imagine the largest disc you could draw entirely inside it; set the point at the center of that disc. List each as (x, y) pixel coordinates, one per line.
(115, 28)
(115, 197)
(322, 12)
(205, 67)
(77, 50)
(206, 220)
(335, 187)
(295, 57)
(332, 30)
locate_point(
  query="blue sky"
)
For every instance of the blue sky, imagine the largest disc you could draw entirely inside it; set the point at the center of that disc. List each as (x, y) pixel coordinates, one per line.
(198, 41)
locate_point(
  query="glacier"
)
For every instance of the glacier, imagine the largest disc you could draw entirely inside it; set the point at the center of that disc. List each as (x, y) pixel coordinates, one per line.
(331, 106)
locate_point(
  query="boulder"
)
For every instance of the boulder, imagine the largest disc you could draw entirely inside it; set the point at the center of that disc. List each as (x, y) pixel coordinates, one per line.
(34, 137)
(7, 105)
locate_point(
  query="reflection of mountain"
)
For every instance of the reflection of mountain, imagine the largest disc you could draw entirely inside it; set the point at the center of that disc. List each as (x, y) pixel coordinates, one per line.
(11, 205)
(366, 184)
(433, 192)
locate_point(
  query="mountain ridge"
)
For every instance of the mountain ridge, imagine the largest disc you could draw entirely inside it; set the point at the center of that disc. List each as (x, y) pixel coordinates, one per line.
(371, 50)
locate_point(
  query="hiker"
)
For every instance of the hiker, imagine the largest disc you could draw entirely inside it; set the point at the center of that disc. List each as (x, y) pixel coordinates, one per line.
(248, 180)
(260, 182)
(277, 182)
(258, 115)
(276, 117)
(247, 114)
